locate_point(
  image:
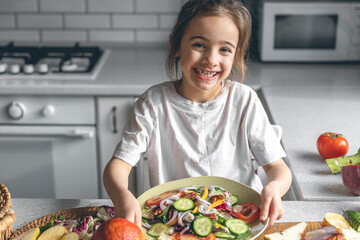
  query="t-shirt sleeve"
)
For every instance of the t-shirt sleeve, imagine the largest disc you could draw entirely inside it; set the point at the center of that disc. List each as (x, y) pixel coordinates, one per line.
(137, 133)
(264, 143)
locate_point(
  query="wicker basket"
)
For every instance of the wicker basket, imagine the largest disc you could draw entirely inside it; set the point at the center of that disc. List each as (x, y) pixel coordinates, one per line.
(72, 213)
(7, 216)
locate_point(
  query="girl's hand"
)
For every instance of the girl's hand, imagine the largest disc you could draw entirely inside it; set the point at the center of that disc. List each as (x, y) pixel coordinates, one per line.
(271, 202)
(279, 181)
(128, 207)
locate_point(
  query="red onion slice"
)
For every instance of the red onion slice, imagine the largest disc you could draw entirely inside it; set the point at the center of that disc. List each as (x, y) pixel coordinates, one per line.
(168, 201)
(184, 230)
(181, 217)
(211, 191)
(202, 201)
(146, 225)
(175, 214)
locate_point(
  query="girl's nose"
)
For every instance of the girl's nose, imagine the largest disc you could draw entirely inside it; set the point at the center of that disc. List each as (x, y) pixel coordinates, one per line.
(211, 58)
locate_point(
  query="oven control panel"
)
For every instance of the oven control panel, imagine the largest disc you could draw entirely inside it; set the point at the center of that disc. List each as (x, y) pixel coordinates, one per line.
(47, 110)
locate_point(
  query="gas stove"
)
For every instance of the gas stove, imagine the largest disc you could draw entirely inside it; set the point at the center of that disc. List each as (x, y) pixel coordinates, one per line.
(50, 62)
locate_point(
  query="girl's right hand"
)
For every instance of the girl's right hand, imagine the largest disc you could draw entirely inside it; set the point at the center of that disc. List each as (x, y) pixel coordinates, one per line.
(128, 207)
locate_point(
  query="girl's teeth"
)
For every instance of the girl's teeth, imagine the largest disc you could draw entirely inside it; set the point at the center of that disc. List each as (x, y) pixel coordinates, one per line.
(205, 73)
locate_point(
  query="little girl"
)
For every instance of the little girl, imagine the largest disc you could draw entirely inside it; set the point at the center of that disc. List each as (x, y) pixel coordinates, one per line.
(201, 124)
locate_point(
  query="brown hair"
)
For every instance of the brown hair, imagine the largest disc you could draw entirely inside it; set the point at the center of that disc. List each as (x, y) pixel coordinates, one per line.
(232, 8)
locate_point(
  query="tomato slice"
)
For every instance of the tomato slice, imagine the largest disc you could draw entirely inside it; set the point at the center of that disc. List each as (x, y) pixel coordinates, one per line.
(156, 200)
(191, 236)
(250, 212)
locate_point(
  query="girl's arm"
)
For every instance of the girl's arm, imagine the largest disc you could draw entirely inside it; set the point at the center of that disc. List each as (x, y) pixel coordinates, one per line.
(278, 183)
(116, 175)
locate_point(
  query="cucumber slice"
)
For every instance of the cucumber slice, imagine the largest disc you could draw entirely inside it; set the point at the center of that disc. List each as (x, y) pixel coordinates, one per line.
(184, 204)
(237, 227)
(145, 213)
(157, 229)
(202, 226)
(224, 235)
(234, 199)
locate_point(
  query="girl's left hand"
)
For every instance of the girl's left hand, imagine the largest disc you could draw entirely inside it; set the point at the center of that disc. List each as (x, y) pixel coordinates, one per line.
(271, 203)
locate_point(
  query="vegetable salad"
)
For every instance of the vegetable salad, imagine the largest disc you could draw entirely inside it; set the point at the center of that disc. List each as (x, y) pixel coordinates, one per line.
(208, 212)
(85, 226)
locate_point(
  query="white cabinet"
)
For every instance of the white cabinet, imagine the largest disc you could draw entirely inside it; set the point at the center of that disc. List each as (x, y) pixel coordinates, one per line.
(112, 115)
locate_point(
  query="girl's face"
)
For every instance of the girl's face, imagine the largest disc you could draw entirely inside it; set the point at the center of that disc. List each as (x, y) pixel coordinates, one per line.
(207, 52)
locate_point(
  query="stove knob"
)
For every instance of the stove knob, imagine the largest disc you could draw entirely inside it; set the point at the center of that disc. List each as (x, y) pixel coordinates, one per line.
(16, 110)
(3, 67)
(14, 68)
(28, 68)
(42, 68)
(48, 110)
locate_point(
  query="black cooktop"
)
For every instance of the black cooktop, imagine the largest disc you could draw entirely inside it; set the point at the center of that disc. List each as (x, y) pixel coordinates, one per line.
(56, 59)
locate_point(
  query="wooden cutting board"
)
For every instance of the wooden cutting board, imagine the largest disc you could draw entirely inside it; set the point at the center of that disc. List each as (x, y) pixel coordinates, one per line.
(282, 226)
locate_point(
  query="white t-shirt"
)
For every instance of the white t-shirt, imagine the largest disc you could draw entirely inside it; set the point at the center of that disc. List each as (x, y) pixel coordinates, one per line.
(186, 139)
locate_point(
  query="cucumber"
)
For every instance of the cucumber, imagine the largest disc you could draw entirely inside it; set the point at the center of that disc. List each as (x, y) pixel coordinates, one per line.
(145, 213)
(353, 218)
(224, 235)
(202, 226)
(237, 227)
(157, 229)
(234, 199)
(184, 204)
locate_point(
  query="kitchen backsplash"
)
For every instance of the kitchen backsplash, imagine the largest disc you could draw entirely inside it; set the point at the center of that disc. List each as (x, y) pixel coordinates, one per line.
(87, 21)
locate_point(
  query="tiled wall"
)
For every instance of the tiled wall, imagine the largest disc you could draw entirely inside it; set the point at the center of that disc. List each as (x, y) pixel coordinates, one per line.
(90, 21)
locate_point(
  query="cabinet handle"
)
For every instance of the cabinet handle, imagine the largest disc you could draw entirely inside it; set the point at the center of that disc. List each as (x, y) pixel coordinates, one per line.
(114, 121)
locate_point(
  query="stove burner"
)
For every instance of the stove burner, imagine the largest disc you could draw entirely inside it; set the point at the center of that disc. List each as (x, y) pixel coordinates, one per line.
(42, 60)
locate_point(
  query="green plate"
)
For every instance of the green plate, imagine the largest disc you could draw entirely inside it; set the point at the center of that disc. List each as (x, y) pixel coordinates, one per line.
(245, 194)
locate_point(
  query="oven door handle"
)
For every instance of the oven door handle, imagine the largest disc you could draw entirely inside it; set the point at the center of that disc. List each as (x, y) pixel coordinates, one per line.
(76, 133)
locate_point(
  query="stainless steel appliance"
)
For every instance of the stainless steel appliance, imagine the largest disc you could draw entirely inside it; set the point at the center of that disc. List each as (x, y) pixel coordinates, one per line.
(48, 147)
(310, 31)
(48, 144)
(21, 62)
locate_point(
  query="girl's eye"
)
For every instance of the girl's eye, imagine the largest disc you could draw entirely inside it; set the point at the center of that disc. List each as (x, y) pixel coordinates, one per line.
(227, 50)
(199, 45)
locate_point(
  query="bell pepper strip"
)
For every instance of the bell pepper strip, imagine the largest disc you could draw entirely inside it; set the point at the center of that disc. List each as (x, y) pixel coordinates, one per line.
(172, 222)
(204, 197)
(216, 203)
(250, 212)
(205, 194)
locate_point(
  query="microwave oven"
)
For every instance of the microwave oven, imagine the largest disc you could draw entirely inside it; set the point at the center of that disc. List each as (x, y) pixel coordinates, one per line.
(309, 31)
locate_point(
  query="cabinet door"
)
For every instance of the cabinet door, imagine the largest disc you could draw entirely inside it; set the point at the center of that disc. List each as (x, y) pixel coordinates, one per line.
(112, 116)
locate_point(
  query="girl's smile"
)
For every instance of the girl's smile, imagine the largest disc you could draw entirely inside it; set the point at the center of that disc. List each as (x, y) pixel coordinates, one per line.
(207, 52)
(205, 75)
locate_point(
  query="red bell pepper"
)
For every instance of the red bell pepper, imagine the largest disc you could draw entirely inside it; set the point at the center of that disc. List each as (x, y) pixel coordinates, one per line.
(249, 213)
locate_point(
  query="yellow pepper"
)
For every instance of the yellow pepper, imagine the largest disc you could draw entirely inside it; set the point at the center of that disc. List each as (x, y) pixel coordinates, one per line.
(205, 194)
(216, 203)
(204, 197)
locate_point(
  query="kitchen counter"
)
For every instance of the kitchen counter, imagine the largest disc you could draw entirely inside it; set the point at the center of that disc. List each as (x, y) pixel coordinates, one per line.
(27, 210)
(305, 112)
(126, 71)
(306, 99)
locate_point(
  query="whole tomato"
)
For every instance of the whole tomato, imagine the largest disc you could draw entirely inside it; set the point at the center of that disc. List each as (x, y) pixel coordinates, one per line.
(332, 145)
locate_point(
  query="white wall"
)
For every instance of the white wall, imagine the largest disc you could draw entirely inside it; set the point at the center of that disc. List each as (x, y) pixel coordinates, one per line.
(87, 21)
